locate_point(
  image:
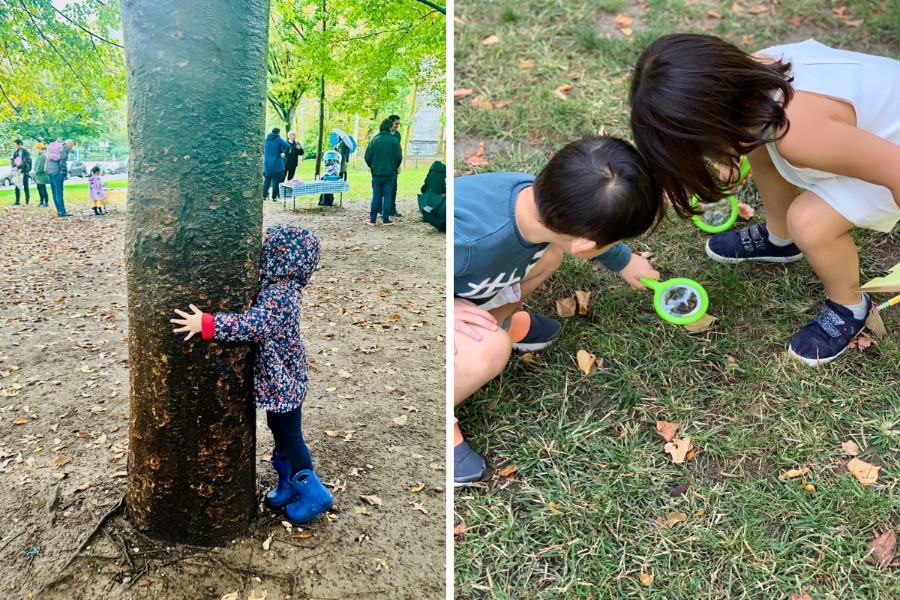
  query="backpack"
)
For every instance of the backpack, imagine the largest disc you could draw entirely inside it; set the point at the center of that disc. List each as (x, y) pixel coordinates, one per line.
(54, 150)
(433, 209)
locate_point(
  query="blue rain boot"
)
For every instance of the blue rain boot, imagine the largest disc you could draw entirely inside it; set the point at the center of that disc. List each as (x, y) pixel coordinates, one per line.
(284, 492)
(312, 498)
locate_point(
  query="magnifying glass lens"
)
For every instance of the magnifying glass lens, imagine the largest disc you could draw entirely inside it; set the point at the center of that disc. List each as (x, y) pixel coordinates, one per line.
(716, 217)
(681, 300)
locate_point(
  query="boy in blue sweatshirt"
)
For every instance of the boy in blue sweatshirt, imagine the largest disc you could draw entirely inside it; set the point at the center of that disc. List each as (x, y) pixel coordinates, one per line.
(510, 233)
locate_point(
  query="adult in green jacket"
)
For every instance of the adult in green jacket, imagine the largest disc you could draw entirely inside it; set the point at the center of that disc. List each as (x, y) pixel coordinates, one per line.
(384, 157)
(41, 179)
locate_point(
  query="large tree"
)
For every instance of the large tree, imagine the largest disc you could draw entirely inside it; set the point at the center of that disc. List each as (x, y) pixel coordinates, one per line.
(196, 90)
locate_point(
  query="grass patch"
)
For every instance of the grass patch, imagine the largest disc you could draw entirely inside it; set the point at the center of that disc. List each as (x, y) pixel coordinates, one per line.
(580, 519)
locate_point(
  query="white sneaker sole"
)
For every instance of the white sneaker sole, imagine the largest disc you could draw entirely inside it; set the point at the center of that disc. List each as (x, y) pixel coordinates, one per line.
(814, 362)
(731, 261)
(532, 347)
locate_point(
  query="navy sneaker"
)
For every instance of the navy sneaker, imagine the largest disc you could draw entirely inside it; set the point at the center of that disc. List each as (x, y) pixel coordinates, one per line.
(828, 334)
(541, 333)
(468, 467)
(751, 243)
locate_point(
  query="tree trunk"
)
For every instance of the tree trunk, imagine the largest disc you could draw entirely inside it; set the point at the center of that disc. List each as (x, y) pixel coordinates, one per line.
(321, 127)
(196, 109)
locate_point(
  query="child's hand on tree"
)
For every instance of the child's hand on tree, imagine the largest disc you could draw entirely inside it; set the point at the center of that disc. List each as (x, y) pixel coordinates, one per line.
(636, 268)
(191, 323)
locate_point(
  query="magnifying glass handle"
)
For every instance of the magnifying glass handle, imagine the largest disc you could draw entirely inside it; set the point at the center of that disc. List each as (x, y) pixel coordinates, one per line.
(744, 170)
(650, 283)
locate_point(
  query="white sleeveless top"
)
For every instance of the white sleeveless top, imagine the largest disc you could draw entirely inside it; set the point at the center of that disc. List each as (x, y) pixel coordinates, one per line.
(871, 84)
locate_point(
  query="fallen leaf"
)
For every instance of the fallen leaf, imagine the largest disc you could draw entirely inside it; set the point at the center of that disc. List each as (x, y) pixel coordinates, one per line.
(575, 75)
(853, 23)
(333, 433)
(262, 595)
(673, 518)
(560, 92)
(679, 490)
(61, 461)
(646, 579)
(490, 40)
(565, 307)
(745, 211)
(583, 298)
(345, 374)
(757, 10)
(482, 102)
(98, 409)
(476, 158)
(268, 543)
(875, 324)
(883, 548)
(420, 507)
(803, 596)
(862, 341)
(459, 529)
(401, 420)
(231, 596)
(529, 358)
(794, 20)
(586, 361)
(526, 64)
(748, 40)
(626, 31)
(503, 104)
(866, 474)
(850, 447)
(702, 324)
(372, 500)
(666, 430)
(507, 471)
(679, 448)
(417, 488)
(462, 93)
(737, 8)
(714, 15)
(624, 21)
(304, 535)
(792, 473)
(22, 420)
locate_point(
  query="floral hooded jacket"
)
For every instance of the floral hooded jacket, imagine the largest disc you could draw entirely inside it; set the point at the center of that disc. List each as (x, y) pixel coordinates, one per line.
(280, 371)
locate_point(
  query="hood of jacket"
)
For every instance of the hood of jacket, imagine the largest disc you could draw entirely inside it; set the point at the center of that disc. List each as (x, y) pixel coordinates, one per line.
(271, 136)
(288, 253)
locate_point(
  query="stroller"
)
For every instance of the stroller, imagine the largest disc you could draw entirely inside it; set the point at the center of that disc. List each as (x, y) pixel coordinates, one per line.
(331, 162)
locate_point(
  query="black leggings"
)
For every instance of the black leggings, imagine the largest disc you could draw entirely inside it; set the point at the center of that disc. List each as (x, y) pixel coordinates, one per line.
(288, 434)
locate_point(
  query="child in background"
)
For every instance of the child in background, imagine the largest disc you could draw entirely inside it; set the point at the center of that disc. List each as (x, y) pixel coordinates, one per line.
(98, 196)
(510, 233)
(41, 179)
(280, 372)
(805, 115)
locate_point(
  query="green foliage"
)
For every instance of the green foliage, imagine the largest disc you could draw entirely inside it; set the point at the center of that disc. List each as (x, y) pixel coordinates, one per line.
(59, 62)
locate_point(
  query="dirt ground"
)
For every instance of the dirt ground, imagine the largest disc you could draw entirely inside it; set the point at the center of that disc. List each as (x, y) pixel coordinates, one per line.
(374, 317)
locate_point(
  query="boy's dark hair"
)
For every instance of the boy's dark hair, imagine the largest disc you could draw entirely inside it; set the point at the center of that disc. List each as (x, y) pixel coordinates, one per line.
(385, 126)
(17, 141)
(697, 98)
(598, 188)
(276, 130)
(96, 169)
(393, 118)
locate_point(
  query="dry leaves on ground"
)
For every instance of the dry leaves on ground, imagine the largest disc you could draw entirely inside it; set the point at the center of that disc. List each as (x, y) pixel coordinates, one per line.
(583, 299)
(462, 93)
(476, 157)
(745, 211)
(526, 64)
(490, 40)
(680, 449)
(792, 473)
(672, 519)
(866, 474)
(371, 500)
(850, 447)
(883, 548)
(803, 596)
(862, 341)
(586, 361)
(702, 324)
(565, 307)
(561, 91)
(509, 471)
(666, 430)
(646, 579)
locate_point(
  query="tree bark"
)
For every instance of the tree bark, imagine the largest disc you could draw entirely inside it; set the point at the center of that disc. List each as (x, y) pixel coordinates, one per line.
(321, 128)
(196, 94)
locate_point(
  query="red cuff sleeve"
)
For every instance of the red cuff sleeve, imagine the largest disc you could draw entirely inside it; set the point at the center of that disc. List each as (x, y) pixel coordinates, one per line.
(207, 326)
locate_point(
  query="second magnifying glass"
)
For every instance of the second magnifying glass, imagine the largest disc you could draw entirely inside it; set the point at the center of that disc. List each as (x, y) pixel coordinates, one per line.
(679, 301)
(720, 216)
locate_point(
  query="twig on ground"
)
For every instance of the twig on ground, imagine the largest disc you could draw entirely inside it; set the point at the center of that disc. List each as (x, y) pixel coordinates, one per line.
(9, 541)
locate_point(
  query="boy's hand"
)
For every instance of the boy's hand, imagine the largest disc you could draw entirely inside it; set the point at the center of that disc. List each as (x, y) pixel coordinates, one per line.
(467, 317)
(192, 323)
(638, 267)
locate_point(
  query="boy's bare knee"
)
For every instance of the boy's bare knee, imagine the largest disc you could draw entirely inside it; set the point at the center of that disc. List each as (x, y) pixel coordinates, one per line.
(487, 358)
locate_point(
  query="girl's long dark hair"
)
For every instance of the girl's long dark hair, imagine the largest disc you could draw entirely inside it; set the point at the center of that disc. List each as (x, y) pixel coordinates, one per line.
(696, 99)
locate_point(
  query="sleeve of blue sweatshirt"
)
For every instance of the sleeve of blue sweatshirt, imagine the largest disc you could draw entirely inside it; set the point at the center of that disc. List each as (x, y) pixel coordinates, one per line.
(616, 258)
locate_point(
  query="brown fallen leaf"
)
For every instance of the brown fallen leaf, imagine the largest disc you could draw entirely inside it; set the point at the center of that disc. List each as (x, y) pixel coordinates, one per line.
(862, 341)
(679, 490)
(575, 75)
(503, 104)
(623, 21)
(583, 298)
(745, 211)
(679, 448)
(803, 596)
(866, 474)
(560, 92)
(401, 420)
(529, 358)
(667, 430)
(61, 461)
(702, 324)
(507, 471)
(714, 15)
(21, 421)
(737, 8)
(883, 548)
(476, 158)
(875, 324)
(626, 31)
(757, 10)
(850, 447)
(459, 529)
(748, 40)
(462, 93)
(672, 518)
(565, 307)
(372, 500)
(792, 473)
(586, 361)
(526, 64)
(490, 40)
(794, 20)
(482, 102)
(304, 535)
(646, 579)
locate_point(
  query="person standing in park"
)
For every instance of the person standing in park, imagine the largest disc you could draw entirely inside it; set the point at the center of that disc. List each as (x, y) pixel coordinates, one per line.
(56, 156)
(292, 156)
(384, 156)
(21, 167)
(273, 163)
(41, 179)
(344, 151)
(395, 131)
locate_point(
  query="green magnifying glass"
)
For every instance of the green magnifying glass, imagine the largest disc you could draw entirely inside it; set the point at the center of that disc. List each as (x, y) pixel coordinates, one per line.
(679, 301)
(720, 216)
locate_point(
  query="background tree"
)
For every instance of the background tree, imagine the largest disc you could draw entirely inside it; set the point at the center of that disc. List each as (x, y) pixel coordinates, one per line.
(193, 234)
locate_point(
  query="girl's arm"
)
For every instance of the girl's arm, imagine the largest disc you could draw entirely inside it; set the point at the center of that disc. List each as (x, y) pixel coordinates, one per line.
(821, 138)
(253, 325)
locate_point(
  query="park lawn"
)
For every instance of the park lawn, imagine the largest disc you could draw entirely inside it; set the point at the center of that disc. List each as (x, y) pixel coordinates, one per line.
(74, 192)
(578, 517)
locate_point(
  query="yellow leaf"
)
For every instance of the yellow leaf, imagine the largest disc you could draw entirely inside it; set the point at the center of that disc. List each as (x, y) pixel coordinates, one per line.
(666, 430)
(866, 474)
(490, 40)
(624, 21)
(565, 307)
(850, 448)
(702, 324)
(526, 64)
(529, 358)
(21, 421)
(583, 299)
(304, 535)
(757, 10)
(792, 473)
(679, 448)
(417, 488)
(646, 579)
(586, 361)
(626, 31)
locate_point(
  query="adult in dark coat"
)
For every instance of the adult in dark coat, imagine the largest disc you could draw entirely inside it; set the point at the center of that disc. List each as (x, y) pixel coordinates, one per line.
(273, 162)
(292, 156)
(384, 156)
(395, 131)
(21, 162)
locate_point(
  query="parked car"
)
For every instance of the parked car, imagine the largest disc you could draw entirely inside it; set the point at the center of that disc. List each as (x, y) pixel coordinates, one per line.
(5, 175)
(77, 168)
(116, 168)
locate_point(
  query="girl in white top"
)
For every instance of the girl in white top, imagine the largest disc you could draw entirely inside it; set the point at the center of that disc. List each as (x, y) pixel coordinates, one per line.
(807, 116)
